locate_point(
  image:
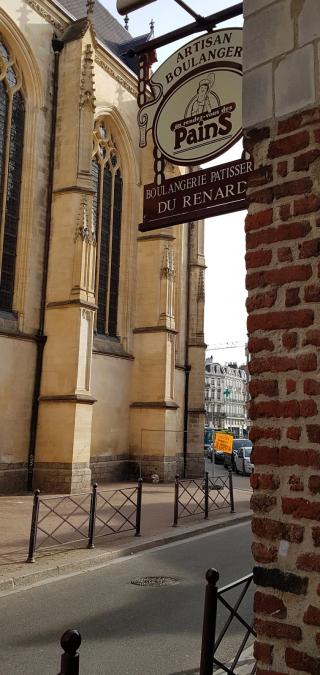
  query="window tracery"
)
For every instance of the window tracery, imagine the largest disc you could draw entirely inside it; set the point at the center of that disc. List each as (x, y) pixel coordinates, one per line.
(12, 119)
(107, 208)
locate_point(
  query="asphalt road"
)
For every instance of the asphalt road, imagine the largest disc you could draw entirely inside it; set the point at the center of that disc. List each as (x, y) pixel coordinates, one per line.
(126, 629)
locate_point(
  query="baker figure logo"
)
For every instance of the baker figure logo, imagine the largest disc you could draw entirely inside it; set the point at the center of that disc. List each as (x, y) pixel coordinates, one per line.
(206, 119)
(205, 100)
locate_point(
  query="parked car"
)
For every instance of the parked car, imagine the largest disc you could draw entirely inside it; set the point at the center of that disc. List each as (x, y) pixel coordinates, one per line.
(229, 459)
(243, 462)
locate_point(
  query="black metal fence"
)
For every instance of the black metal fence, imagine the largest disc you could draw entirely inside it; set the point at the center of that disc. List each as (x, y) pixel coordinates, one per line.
(211, 643)
(69, 519)
(196, 496)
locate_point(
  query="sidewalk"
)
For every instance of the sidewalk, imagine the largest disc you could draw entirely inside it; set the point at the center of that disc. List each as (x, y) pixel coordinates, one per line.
(156, 529)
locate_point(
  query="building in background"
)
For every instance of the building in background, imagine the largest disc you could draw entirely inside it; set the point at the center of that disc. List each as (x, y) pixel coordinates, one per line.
(226, 396)
(101, 326)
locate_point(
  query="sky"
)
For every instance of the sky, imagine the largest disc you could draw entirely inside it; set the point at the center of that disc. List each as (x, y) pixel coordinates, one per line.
(225, 313)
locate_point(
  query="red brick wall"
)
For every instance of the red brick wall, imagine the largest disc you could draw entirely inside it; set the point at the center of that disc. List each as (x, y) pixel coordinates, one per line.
(283, 282)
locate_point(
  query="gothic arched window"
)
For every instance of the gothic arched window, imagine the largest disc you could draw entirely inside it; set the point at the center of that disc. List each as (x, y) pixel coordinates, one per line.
(12, 114)
(107, 183)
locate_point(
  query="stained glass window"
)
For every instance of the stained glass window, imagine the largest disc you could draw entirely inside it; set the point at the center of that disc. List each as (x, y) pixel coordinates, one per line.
(12, 115)
(107, 206)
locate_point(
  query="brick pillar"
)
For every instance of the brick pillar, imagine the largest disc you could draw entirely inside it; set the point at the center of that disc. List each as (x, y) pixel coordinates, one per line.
(282, 120)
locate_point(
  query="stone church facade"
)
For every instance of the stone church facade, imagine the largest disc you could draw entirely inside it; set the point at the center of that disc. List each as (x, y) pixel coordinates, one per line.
(101, 326)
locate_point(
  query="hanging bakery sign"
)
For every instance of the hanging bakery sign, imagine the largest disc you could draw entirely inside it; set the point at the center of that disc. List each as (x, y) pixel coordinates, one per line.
(196, 111)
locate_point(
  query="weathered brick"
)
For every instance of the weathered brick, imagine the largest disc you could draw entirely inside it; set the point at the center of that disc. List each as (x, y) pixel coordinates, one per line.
(312, 293)
(298, 120)
(262, 651)
(296, 483)
(282, 581)
(308, 408)
(282, 169)
(316, 535)
(293, 187)
(312, 616)
(283, 409)
(303, 161)
(261, 300)
(294, 433)
(283, 364)
(309, 248)
(284, 254)
(305, 205)
(292, 297)
(311, 387)
(314, 484)
(290, 340)
(312, 338)
(302, 662)
(276, 530)
(308, 562)
(264, 554)
(301, 508)
(262, 503)
(270, 605)
(275, 629)
(279, 276)
(280, 320)
(260, 176)
(264, 432)
(257, 220)
(258, 258)
(298, 456)
(307, 362)
(285, 211)
(289, 144)
(313, 431)
(260, 196)
(291, 386)
(264, 481)
(271, 235)
(265, 387)
(256, 344)
(265, 455)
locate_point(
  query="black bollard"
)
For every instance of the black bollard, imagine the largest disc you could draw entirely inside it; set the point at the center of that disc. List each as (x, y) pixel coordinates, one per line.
(70, 643)
(34, 527)
(176, 501)
(138, 511)
(209, 622)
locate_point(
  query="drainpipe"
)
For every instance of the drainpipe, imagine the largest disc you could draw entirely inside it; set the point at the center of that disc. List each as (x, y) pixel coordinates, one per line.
(187, 366)
(57, 46)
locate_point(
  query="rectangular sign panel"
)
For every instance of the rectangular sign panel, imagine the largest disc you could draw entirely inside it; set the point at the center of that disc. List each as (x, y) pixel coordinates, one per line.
(223, 442)
(202, 194)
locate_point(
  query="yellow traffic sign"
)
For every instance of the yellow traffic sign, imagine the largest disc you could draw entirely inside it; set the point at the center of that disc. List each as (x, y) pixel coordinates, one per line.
(223, 442)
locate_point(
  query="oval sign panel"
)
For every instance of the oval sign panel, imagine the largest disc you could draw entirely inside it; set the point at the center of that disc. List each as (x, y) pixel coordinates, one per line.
(196, 113)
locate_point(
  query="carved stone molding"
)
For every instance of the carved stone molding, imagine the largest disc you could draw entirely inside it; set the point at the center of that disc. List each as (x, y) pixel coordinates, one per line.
(48, 16)
(167, 269)
(201, 288)
(108, 69)
(85, 227)
(87, 96)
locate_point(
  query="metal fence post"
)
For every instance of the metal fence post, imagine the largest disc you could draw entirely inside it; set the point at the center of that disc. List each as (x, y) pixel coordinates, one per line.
(206, 495)
(176, 501)
(70, 643)
(34, 526)
(231, 490)
(92, 516)
(209, 622)
(139, 503)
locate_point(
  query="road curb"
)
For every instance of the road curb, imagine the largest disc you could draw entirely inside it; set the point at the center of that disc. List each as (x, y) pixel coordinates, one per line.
(24, 581)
